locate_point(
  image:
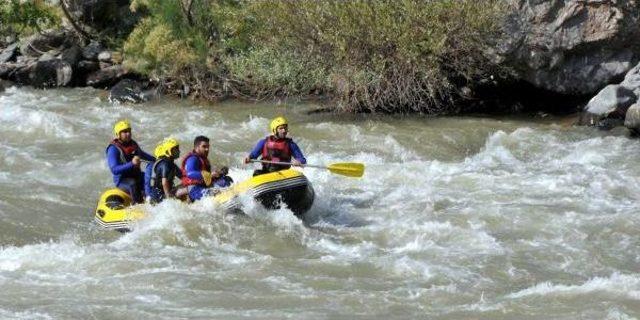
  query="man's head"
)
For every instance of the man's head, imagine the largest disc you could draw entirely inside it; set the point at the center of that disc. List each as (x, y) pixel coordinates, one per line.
(279, 127)
(122, 130)
(201, 146)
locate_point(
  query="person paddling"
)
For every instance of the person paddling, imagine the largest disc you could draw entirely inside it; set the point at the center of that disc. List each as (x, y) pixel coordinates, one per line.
(197, 174)
(123, 158)
(277, 148)
(159, 176)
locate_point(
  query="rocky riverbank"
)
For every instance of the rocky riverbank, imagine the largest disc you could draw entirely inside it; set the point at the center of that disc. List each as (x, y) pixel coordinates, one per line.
(58, 58)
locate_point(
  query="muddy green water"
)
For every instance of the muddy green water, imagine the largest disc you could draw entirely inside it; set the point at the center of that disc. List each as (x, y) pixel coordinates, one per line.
(455, 218)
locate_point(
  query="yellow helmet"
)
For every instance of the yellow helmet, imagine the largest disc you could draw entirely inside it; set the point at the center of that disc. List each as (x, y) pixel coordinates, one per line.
(275, 123)
(120, 126)
(165, 148)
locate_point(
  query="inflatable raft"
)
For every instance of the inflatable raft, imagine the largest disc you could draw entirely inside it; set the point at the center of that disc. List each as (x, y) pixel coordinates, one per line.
(287, 187)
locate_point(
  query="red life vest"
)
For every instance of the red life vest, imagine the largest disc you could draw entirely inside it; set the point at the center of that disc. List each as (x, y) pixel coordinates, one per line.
(126, 152)
(277, 150)
(204, 165)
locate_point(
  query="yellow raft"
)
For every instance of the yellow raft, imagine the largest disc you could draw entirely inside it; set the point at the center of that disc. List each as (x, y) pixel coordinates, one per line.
(289, 187)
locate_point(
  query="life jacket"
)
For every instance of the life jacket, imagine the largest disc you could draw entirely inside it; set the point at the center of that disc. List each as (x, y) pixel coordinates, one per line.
(126, 152)
(155, 182)
(204, 165)
(277, 150)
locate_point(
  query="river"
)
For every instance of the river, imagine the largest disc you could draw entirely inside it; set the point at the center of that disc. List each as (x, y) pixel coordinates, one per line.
(455, 218)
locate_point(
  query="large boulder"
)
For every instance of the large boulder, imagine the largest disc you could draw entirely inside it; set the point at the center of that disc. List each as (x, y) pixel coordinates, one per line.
(570, 47)
(610, 103)
(39, 43)
(132, 91)
(632, 118)
(106, 77)
(52, 73)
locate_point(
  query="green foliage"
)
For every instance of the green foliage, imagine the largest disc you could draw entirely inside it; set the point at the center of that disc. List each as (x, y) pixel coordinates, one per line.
(27, 16)
(384, 55)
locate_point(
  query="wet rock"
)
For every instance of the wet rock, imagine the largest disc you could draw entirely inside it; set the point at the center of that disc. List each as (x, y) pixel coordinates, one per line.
(127, 90)
(72, 55)
(632, 118)
(39, 43)
(9, 53)
(612, 102)
(91, 51)
(569, 47)
(52, 73)
(106, 77)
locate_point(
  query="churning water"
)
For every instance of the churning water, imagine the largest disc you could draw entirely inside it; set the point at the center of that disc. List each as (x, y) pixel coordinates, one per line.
(455, 218)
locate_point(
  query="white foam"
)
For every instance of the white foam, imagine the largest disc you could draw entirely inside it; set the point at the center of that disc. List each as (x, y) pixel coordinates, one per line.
(617, 285)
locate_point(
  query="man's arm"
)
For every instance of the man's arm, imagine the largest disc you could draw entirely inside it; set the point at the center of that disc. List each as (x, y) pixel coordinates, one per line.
(192, 167)
(113, 160)
(296, 153)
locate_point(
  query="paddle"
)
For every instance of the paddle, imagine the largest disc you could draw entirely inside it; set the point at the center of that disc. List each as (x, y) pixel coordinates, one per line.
(349, 169)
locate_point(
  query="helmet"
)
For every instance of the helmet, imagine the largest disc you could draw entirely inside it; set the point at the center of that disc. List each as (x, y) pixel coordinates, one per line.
(164, 148)
(121, 126)
(275, 123)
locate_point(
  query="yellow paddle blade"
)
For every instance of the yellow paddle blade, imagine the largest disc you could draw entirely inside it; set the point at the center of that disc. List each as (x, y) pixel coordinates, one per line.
(349, 169)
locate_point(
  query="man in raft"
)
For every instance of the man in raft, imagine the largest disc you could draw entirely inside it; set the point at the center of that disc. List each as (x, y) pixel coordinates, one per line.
(277, 148)
(123, 158)
(197, 174)
(158, 177)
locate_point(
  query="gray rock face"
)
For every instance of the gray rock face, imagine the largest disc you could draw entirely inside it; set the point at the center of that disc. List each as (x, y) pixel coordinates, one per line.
(570, 47)
(615, 102)
(9, 53)
(612, 98)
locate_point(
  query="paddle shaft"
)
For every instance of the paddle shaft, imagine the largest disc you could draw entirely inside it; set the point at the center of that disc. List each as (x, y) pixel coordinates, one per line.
(288, 164)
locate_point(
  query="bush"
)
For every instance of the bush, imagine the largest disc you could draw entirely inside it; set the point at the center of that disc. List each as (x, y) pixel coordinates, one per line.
(391, 56)
(26, 17)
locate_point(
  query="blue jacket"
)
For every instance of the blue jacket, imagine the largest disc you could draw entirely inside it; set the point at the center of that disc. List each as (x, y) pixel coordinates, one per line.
(193, 167)
(121, 169)
(296, 153)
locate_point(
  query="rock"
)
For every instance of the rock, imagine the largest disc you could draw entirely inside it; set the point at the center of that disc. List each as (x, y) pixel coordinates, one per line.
(9, 53)
(569, 47)
(88, 66)
(50, 55)
(72, 55)
(610, 103)
(6, 69)
(23, 74)
(632, 80)
(91, 51)
(104, 56)
(52, 73)
(107, 76)
(39, 43)
(632, 118)
(126, 90)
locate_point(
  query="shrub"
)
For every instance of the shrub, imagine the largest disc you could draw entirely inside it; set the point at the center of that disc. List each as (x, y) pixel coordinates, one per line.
(26, 17)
